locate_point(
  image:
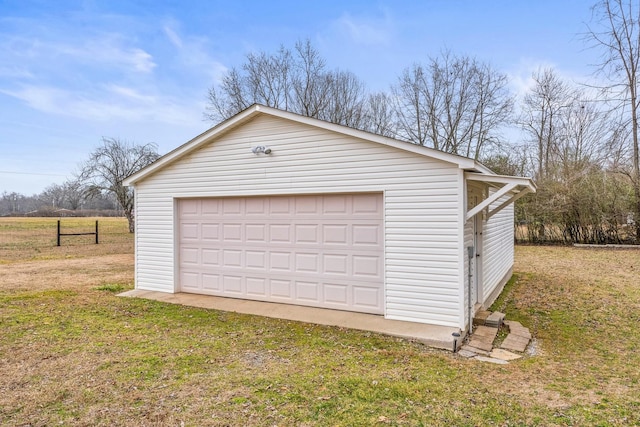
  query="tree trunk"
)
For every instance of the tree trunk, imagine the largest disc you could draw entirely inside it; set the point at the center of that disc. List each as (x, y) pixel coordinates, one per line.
(131, 220)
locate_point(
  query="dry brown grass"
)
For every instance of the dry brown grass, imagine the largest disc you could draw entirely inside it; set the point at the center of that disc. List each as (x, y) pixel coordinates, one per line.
(71, 354)
(23, 239)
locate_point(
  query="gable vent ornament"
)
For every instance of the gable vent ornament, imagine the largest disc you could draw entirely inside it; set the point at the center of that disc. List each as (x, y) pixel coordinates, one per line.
(261, 149)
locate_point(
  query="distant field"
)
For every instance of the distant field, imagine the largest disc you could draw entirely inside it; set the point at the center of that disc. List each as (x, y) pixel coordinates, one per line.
(73, 353)
(35, 238)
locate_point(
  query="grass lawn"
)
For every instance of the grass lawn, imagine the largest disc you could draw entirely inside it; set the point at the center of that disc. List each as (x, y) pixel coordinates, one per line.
(73, 353)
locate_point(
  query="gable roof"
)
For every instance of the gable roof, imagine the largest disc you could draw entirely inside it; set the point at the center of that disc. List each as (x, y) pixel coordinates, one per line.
(256, 110)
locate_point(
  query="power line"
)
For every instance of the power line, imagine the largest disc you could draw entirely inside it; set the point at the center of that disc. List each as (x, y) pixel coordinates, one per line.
(31, 173)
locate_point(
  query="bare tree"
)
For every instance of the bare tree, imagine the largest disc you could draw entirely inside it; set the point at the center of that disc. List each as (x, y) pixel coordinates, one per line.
(296, 81)
(53, 196)
(541, 117)
(378, 113)
(109, 164)
(73, 193)
(616, 32)
(454, 104)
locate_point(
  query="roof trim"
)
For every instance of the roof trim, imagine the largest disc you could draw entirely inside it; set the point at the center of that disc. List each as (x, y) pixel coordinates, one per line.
(256, 109)
(513, 186)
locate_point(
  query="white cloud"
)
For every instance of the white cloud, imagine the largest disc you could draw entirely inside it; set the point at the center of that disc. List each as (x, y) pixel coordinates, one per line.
(521, 75)
(173, 37)
(369, 31)
(193, 54)
(109, 51)
(113, 103)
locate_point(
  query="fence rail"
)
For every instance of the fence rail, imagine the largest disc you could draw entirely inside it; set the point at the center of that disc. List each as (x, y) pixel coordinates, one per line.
(77, 234)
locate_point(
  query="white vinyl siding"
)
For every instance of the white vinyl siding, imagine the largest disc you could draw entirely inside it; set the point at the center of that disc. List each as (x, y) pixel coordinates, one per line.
(498, 248)
(421, 205)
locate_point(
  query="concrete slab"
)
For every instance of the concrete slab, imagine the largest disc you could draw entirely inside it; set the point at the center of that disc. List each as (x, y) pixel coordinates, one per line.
(431, 335)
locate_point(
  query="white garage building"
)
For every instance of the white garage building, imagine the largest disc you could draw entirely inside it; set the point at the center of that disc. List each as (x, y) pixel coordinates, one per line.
(273, 206)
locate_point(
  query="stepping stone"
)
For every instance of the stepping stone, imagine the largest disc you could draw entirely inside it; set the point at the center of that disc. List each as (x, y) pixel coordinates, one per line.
(467, 354)
(481, 344)
(498, 353)
(517, 329)
(473, 350)
(495, 319)
(481, 317)
(485, 331)
(515, 343)
(492, 360)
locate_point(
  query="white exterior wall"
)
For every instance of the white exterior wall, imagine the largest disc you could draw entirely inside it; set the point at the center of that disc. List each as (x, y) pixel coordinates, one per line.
(498, 249)
(421, 195)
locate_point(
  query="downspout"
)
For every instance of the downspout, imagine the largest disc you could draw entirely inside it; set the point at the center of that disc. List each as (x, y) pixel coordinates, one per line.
(471, 253)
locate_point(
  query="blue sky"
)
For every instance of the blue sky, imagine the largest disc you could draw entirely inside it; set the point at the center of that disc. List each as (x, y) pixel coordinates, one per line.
(72, 72)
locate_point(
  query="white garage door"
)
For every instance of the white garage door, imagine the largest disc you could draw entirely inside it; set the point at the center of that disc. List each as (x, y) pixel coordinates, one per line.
(322, 251)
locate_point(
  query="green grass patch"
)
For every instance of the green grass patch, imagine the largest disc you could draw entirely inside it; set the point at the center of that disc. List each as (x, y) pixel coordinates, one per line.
(113, 287)
(74, 353)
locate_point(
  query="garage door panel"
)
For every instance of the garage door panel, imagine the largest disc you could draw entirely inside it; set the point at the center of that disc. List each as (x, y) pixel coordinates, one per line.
(280, 233)
(190, 256)
(336, 294)
(189, 208)
(256, 233)
(335, 234)
(211, 282)
(335, 205)
(323, 251)
(231, 206)
(210, 231)
(256, 206)
(307, 206)
(231, 258)
(365, 297)
(256, 260)
(190, 281)
(306, 233)
(280, 206)
(335, 264)
(232, 284)
(210, 257)
(232, 232)
(189, 231)
(307, 263)
(210, 207)
(308, 291)
(367, 266)
(367, 204)
(281, 289)
(366, 235)
(257, 287)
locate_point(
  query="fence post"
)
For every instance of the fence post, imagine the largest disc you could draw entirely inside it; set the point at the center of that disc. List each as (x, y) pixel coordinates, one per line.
(58, 232)
(96, 231)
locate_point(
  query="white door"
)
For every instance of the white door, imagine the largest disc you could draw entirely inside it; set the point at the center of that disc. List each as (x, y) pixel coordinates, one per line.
(316, 250)
(473, 238)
